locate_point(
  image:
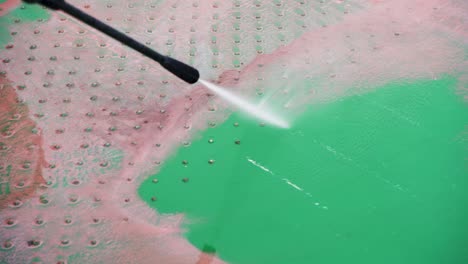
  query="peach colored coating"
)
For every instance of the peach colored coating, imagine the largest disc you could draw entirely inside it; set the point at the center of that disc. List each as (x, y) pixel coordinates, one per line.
(119, 115)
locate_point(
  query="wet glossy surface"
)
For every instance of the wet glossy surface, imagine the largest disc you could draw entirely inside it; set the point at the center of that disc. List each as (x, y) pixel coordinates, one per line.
(373, 178)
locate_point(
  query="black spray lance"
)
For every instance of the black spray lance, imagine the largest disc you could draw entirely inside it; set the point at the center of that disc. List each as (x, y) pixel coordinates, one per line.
(178, 68)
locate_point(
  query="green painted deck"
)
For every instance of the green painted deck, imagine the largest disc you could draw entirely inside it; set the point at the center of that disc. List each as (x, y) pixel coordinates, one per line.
(373, 178)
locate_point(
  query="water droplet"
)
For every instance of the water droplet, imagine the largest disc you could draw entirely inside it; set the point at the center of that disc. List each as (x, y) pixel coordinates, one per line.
(73, 198)
(39, 221)
(67, 220)
(34, 243)
(16, 203)
(56, 147)
(43, 199)
(76, 182)
(10, 222)
(26, 165)
(7, 244)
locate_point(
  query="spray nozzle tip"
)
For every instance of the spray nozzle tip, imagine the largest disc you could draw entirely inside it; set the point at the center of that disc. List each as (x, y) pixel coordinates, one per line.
(181, 70)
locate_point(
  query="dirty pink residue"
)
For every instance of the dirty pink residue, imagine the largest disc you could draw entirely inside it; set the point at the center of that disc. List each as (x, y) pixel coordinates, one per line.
(21, 150)
(109, 117)
(8, 5)
(392, 40)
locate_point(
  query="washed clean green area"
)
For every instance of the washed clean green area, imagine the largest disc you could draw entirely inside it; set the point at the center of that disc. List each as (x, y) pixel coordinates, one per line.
(24, 13)
(382, 178)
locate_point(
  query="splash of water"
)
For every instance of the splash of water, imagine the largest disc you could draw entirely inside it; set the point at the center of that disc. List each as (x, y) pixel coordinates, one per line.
(247, 107)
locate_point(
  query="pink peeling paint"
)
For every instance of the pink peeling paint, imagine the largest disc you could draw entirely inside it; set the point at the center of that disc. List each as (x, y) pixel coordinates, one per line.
(108, 117)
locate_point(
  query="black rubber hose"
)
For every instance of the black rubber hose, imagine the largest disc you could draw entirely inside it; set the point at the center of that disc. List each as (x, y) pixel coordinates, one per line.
(178, 68)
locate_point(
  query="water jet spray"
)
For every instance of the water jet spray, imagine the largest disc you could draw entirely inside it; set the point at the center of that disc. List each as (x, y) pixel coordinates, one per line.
(184, 71)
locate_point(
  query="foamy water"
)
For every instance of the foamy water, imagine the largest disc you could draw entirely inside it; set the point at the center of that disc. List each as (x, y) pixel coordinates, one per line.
(247, 107)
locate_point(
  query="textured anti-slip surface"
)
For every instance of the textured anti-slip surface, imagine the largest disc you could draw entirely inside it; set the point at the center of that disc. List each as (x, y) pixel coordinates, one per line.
(107, 158)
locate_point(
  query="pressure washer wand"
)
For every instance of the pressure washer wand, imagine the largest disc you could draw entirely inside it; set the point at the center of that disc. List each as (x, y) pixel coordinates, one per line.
(178, 68)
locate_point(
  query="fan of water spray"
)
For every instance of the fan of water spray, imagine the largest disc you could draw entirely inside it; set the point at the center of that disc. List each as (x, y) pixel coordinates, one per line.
(247, 107)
